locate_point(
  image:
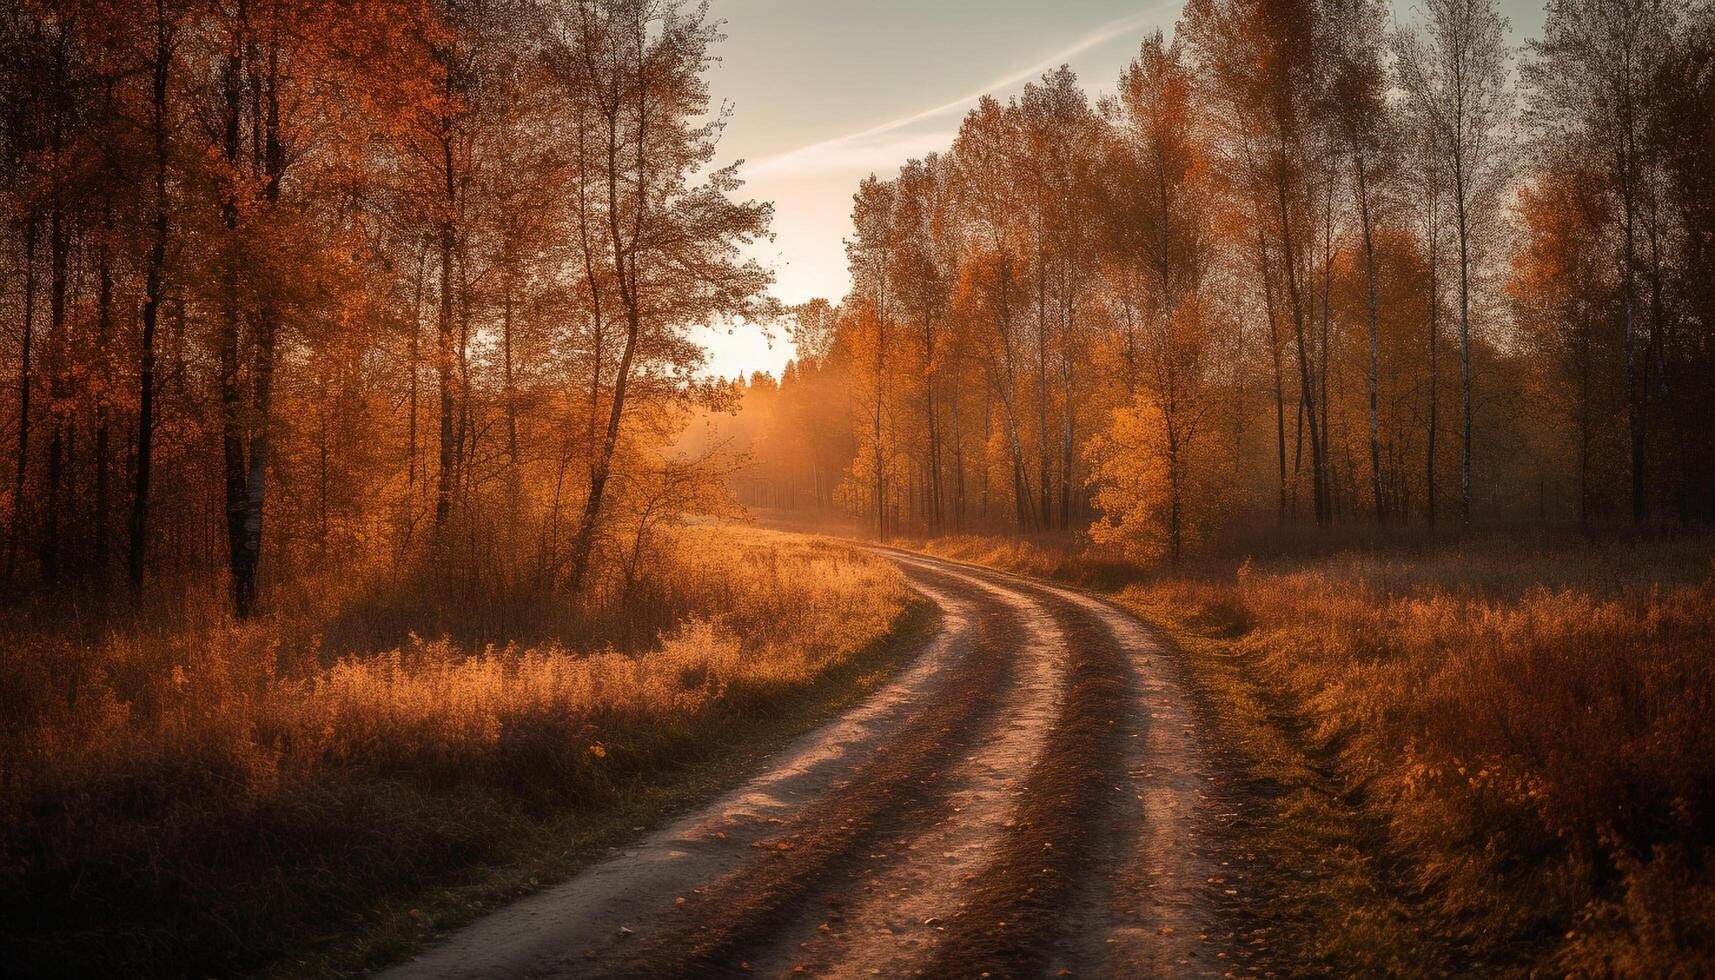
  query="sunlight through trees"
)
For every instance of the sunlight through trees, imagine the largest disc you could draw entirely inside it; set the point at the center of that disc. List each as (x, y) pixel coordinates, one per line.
(1254, 284)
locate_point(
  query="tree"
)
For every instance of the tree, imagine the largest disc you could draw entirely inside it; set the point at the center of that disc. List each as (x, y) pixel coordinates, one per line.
(987, 166)
(238, 235)
(1456, 77)
(160, 62)
(1427, 194)
(1263, 66)
(921, 280)
(271, 73)
(1564, 320)
(1156, 212)
(1590, 78)
(658, 242)
(1360, 114)
(1683, 136)
(870, 253)
(24, 64)
(1057, 130)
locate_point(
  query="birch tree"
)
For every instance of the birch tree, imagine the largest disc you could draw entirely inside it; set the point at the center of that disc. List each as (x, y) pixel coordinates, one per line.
(1456, 76)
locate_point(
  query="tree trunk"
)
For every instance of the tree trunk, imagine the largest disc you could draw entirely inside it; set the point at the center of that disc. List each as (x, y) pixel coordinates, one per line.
(958, 462)
(267, 333)
(624, 257)
(932, 468)
(447, 476)
(983, 467)
(1637, 387)
(58, 377)
(99, 543)
(1069, 417)
(1175, 490)
(464, 440)
(1654, 357)
(1464, 345)
(1067, 459)
(879, 461)
(246, 427)
(262, 383)
(413, 354)
(446, 479)
(1307, 384)
(25, 382)
(1370, 297)
(1279, 384)
(256, 470)
(231, 399)
(1585, 425)
(152, 286)
(1330, 504)
(1434, 368)
(514, 472)
(583, 541)
(1044, 461)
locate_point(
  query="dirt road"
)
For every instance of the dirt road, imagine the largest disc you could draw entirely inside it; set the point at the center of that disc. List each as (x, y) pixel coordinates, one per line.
(1027, 799)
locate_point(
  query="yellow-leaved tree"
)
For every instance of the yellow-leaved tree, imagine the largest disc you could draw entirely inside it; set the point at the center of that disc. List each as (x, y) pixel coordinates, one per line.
(1157, 222)
(1157, 479)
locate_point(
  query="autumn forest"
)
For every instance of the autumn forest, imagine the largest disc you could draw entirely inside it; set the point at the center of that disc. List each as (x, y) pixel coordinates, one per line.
(1300, 266)
(1247, 516)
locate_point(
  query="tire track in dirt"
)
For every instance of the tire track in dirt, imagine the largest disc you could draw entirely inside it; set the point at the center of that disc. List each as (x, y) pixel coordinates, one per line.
(1018, 903)
(884, 915)
(1150, 910)
(590, 924)
(1132, 891)
(1026, 799)
(894, 791)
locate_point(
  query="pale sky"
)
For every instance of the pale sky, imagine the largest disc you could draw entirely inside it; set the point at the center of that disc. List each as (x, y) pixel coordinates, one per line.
(825, 92)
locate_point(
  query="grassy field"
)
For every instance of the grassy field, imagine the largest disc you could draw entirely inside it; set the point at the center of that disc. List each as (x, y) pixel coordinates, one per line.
(1494, 755)
(187, 795)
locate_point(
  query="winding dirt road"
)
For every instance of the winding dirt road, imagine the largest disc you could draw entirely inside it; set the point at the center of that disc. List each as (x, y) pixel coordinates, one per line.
(1026, 799)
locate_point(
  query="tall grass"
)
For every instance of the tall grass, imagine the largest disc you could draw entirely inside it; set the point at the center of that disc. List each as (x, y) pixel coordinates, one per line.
(1529, 719)
(199, 795)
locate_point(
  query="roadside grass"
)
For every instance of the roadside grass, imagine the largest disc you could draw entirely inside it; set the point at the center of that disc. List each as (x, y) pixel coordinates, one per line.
(193, 796)
(1492, 755)
(559, 846)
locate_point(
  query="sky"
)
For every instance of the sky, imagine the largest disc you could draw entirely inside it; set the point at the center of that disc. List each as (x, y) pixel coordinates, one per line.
(825, 92)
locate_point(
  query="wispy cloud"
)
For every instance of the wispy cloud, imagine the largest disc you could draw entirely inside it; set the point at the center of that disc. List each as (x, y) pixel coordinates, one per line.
(880, 146)
(880, 150)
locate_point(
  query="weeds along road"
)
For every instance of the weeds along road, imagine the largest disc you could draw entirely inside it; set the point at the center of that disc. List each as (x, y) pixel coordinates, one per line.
(1026, 799)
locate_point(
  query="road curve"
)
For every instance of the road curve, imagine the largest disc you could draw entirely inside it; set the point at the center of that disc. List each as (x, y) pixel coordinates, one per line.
(1026, 799)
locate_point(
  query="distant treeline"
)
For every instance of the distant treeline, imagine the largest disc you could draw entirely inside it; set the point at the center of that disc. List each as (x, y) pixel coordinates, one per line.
(1301, 265)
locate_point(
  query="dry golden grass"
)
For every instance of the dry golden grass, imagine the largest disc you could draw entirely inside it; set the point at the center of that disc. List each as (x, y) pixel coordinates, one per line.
(1052, 556)
(205, 793)
(1521, 729)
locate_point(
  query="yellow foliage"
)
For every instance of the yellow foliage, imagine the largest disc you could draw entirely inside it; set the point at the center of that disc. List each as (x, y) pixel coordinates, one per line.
(1140, 476)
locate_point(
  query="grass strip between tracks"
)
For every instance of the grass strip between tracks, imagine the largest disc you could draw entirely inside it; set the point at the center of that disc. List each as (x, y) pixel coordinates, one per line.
(1008, 925)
